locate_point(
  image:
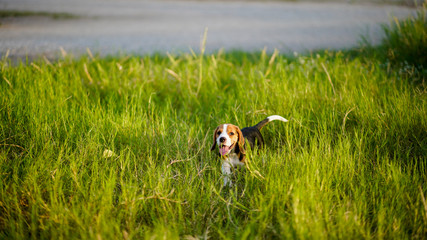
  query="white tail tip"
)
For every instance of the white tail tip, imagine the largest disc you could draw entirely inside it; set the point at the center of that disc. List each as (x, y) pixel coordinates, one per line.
(276, 117)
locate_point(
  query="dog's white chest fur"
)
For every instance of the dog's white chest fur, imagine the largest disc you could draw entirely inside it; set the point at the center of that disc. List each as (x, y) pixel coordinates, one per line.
(231, 161)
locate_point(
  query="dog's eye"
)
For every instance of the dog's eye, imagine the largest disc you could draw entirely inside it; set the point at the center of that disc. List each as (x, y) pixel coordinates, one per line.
(218, 133)
(232, 133)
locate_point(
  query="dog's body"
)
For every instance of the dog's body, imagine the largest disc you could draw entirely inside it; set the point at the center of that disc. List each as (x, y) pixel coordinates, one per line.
(232, 141)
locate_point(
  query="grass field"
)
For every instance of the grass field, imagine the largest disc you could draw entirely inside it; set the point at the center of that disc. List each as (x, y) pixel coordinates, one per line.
(111, 148)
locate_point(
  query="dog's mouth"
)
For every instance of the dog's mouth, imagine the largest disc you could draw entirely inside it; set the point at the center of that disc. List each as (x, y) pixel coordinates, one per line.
(224, 150)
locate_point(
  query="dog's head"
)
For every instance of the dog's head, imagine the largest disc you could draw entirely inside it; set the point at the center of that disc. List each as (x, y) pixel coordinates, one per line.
(229, 138)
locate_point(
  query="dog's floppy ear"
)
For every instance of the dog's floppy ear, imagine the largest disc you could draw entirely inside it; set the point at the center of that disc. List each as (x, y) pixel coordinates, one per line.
(214, 139)
(241, 141)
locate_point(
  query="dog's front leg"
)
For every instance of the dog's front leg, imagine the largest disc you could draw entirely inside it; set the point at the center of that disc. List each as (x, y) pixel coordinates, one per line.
(226, 172)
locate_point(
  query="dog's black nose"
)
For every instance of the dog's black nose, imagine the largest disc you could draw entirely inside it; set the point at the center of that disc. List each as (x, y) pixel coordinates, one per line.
(221, 139)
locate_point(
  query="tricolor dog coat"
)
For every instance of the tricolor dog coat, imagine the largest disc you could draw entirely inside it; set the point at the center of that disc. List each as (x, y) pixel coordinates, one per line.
(231, 141)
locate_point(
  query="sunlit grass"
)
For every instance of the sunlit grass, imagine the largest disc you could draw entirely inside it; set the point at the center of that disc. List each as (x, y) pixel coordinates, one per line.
(119, 148)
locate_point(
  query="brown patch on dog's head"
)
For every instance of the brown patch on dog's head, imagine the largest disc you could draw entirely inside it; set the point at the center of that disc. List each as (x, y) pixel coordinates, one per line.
(236, 137)
(240, 146)
(214, 138)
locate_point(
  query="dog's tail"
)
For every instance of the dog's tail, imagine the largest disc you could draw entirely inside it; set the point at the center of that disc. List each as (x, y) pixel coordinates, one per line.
(269, 119)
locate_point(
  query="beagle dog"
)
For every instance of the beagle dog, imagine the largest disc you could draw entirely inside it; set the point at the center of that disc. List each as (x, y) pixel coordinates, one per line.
(231, 142)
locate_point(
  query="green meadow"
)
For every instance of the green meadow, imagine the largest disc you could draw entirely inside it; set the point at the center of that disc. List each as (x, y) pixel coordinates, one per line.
(119, 147)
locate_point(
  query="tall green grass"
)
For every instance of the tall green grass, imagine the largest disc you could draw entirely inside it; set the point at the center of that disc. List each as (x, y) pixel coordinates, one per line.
(404, 46)
(406, 41)
(110, 148)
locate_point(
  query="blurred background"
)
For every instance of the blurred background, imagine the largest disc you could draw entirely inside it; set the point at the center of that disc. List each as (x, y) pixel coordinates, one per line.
(49, 28)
